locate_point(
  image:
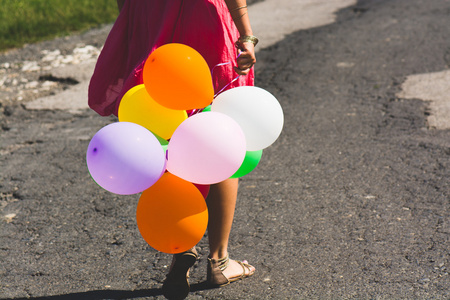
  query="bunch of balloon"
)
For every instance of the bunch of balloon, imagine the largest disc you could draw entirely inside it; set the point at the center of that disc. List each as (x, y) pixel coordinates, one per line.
(172, 159)
(130, 156)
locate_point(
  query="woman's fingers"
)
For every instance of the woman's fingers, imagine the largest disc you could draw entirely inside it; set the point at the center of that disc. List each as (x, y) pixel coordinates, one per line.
(246, 58)
(244, 66)
(242, 72)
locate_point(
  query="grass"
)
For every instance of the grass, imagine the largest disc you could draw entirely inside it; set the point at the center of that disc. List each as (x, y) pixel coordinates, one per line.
(29, 21)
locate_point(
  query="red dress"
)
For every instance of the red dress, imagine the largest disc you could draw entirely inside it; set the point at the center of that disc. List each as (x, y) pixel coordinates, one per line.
(144, 25)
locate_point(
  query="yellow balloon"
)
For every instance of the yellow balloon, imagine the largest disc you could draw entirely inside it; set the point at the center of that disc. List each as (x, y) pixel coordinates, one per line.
(138, 107)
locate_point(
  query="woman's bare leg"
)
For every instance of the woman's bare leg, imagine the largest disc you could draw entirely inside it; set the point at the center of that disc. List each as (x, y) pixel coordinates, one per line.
(221, 203)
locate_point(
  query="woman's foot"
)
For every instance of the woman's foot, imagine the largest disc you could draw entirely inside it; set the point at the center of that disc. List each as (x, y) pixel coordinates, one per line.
(235, 269)
(223, 271)
(176, 285)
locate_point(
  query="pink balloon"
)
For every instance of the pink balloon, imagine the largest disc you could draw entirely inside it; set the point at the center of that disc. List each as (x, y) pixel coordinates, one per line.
(125, 158)
(206, 148)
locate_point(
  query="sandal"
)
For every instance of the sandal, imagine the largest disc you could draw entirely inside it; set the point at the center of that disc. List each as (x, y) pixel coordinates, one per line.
(215, 276)
(176, 285)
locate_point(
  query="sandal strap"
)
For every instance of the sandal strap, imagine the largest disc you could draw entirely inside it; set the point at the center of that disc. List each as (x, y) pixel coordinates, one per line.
(216, 267)
(215, 272)
(176, 285)
(245, 267)
(223, 262)
(191, 252)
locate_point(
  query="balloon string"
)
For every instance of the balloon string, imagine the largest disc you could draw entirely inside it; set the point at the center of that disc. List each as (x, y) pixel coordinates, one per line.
(223, 64)
(219, 65)
(227, 85)
(196, 111)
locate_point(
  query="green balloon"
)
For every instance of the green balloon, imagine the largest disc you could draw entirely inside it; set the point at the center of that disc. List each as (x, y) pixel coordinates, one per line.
(164, 143)
(208, 108)
(250, 162)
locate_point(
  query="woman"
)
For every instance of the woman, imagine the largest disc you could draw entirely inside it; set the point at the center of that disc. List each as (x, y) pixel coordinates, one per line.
(220, 31)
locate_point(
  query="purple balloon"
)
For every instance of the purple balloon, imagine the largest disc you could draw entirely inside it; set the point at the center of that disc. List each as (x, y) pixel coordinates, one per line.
(125, 158)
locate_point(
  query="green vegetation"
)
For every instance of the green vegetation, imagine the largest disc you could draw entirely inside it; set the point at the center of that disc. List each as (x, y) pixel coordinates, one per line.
(28, 21)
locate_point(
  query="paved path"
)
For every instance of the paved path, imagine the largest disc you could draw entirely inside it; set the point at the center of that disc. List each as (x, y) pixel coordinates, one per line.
(352, 201)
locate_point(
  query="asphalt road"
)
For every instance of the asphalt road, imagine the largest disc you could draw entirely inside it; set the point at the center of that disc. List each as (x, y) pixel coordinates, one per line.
(352, 201)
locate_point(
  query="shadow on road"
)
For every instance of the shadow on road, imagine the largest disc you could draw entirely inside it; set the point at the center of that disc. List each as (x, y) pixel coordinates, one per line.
(96, 295)
(111, 294)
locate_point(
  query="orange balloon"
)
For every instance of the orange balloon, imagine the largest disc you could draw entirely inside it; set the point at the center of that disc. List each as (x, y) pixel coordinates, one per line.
(178, 77)
(172, 215)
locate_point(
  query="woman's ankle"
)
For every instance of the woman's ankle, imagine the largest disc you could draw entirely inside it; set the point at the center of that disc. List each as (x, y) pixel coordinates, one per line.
(218, 254)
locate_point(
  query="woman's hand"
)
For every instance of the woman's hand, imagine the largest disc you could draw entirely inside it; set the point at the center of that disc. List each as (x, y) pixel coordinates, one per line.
(246, 58)
(246, 44)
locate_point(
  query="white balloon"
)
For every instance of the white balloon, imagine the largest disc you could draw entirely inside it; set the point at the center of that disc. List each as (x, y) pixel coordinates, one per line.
(256, 110)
